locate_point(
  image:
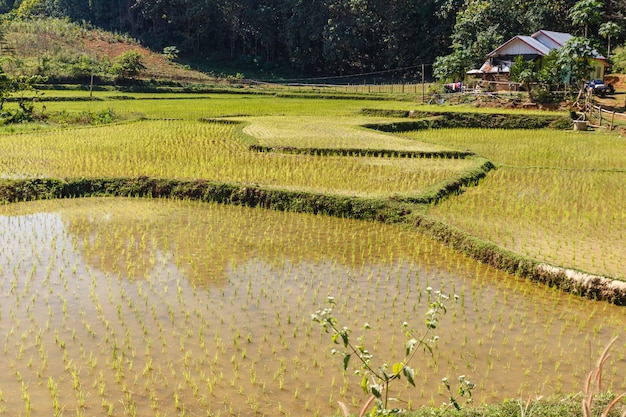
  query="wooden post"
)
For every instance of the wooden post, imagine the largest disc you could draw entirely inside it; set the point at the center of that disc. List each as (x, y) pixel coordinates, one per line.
(600, 115)
(91, 83)
(612, 119)
(423, 86)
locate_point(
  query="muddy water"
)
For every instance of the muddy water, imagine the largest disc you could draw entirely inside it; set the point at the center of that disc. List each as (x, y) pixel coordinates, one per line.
(140, 307)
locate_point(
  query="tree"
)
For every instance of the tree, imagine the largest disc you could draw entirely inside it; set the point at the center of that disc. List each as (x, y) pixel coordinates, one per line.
(607, 30)
(128, 65)
(478, 31)
(6, 87)
(9, 86)
(6, 6)
(524, 72)
(304, 36)
(548, 14)
(170, 52)
(349, 34)
(451, 67)
(551, 73)
(575, 56)
(30, 8)
(619, 59)
(587, 12)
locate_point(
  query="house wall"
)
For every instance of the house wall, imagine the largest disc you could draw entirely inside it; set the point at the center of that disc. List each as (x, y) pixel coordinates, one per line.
(598, 70)
(517, 48)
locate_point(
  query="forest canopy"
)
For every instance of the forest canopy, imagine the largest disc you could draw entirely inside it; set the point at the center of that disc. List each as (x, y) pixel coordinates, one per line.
(325, 37)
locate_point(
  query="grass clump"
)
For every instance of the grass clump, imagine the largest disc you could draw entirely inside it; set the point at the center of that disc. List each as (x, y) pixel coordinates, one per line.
(554, 406)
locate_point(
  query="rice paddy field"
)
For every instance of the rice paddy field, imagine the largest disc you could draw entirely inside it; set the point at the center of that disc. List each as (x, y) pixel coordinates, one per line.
(339, 132)
(557, 196)
(130, 306)
(218, 105)
(211, 151)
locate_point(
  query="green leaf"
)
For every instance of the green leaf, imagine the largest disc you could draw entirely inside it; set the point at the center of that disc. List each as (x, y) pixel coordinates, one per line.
(364, 384)
(397, 368)
(455, 403)
(410, 345)
(409, 373)
(344, 337)
(386, 376)
(335, 337)
(346, 360)
(376, 391)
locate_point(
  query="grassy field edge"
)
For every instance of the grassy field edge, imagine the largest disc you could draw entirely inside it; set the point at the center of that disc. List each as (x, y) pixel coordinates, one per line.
(363, 152)
(454, 119)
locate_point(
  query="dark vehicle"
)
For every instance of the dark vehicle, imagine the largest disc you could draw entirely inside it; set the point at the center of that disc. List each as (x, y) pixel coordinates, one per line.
(598, 87)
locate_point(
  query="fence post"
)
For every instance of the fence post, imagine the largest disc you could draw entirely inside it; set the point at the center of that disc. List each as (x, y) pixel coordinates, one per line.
(600, 115)
(612, 119)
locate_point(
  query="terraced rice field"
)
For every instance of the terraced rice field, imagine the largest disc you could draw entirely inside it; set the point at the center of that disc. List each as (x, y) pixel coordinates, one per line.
(134, 307)
(128, 306)
(210, 151)
(559, 197)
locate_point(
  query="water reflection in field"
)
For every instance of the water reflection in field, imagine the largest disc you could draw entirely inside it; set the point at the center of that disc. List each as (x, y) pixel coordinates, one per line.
(127, 306)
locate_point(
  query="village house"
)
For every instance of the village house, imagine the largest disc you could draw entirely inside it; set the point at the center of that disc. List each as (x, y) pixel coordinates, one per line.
(496, 68)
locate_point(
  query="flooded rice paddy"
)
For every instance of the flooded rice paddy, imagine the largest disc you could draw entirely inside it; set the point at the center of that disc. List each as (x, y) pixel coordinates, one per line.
(173, 308)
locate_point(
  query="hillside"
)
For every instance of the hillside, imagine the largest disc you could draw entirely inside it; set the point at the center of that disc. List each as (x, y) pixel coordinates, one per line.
(69, 52)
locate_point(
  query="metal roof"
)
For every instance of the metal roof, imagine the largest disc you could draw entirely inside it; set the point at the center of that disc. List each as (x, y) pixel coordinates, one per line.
(559, 38)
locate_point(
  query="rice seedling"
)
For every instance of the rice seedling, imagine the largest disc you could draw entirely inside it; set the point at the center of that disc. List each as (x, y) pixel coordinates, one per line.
(564, 191)
(280, 316)
(192, 150)
(339, 132)
(144, 326)
(226, 105)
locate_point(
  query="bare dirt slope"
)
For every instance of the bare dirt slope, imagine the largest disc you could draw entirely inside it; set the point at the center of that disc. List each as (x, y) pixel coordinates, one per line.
(157, 66)
(54, 47)
(618, 81)
(617, 101)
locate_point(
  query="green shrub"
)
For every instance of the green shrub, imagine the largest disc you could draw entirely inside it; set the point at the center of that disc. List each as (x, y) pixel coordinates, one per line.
(128, 65)
(619, 59)
(93, 118)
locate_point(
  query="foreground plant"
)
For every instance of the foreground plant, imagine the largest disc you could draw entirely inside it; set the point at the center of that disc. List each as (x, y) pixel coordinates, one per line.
(593, 385)
(376, 380)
